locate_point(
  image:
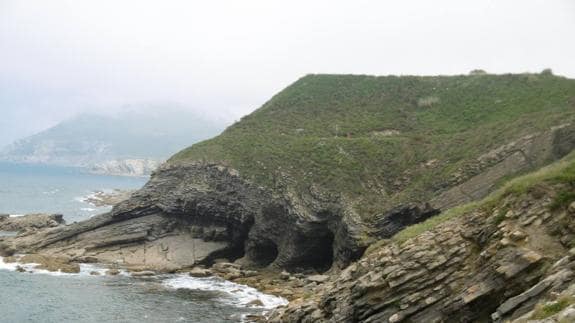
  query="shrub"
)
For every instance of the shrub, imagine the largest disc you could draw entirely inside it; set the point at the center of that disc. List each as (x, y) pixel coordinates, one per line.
(544, 311)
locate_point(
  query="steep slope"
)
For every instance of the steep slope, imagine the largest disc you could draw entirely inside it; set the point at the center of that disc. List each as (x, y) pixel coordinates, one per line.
(95, 140)
(488, 261)
(380, 142)
(286, 188)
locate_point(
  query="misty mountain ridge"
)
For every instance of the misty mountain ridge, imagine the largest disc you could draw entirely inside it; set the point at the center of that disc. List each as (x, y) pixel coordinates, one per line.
(93, 140)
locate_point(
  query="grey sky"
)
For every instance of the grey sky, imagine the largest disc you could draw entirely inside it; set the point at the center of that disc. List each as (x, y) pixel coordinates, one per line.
(225, 58)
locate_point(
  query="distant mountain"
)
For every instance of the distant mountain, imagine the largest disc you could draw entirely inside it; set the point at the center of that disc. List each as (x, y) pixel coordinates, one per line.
(91, 140)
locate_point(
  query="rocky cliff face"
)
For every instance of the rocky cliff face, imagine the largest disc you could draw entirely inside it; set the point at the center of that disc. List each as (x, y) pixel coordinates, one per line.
(194, 213)
(487, 265)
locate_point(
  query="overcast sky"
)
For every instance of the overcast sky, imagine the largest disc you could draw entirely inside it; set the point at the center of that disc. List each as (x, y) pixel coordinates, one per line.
(224, 58)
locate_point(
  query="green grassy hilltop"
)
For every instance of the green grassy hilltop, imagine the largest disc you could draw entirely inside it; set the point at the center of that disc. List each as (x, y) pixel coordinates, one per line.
(362, 135)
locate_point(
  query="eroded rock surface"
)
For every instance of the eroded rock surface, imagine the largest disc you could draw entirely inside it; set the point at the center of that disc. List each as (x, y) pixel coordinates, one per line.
(30, 222)
(192, 214)
(479, 267)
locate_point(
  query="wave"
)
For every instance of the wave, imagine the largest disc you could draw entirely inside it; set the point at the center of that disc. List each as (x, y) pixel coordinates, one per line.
(85, 269)
(235, 294)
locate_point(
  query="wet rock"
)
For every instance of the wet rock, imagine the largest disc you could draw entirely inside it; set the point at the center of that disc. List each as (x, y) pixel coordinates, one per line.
(30, 222)
(94, 273)
(20, 269)
(255, 302)
(112, 272)
(200, 272)
(144, 273)
(50, 263)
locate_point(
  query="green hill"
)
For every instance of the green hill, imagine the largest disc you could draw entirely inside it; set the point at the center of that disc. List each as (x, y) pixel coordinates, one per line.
(361, 136)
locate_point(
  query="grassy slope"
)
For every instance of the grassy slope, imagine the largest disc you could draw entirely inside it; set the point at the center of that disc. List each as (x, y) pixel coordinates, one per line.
(560, 174)
(323, 129)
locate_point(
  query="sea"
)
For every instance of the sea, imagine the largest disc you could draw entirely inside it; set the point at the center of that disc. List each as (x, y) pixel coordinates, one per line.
(41, 296)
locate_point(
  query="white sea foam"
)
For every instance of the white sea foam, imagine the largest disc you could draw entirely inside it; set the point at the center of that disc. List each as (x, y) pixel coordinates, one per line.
(16, 215)
(85, 269)
(235, 294)
(88, 209)
(85, 198)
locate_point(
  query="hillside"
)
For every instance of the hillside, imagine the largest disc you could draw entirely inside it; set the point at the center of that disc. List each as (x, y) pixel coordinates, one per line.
(89, 139)
(380, 142)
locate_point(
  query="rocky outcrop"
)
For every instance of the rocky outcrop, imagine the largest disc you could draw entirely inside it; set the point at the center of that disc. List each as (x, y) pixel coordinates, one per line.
(194, 213)
(490, 264)
(108, 198)
(30, 222)
(477, 178)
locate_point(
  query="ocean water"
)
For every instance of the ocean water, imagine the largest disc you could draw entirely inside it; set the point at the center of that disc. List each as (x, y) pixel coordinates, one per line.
(40, 296)
(49, 189)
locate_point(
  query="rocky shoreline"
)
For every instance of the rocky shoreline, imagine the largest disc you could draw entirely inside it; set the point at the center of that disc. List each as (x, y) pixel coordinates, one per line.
(101, 198)
(30, 222)
(506, 266)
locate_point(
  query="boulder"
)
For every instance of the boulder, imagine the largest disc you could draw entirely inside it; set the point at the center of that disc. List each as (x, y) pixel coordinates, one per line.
(255, 302)
(57, 264)
(200, 272)
(112, 272)
(143, 273)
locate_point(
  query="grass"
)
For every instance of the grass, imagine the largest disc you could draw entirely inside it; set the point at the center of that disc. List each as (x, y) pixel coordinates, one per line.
(544, 311)
(560, 173)
(417, 229)
(563, 199)
(325, 131)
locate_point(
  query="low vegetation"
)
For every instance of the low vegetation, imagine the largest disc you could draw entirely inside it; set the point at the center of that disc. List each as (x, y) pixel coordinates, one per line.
(552, 308)
(560, 174)
(382, 141)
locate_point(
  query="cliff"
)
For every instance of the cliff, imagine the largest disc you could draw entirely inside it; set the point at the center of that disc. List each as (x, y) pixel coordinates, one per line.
(489, 261)
(334, 164)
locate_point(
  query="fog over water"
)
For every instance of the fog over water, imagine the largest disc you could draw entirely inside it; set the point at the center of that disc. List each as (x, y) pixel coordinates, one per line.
(224, 58)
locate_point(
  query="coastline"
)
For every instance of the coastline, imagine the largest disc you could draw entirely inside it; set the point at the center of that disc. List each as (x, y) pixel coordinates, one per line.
(232, 292)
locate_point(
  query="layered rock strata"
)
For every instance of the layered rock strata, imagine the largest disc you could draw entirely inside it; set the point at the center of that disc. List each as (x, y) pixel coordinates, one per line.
(482, 266)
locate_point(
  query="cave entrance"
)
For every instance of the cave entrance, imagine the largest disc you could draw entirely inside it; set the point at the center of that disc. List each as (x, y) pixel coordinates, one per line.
(263, 252)
(321, 255)
(315, 250)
